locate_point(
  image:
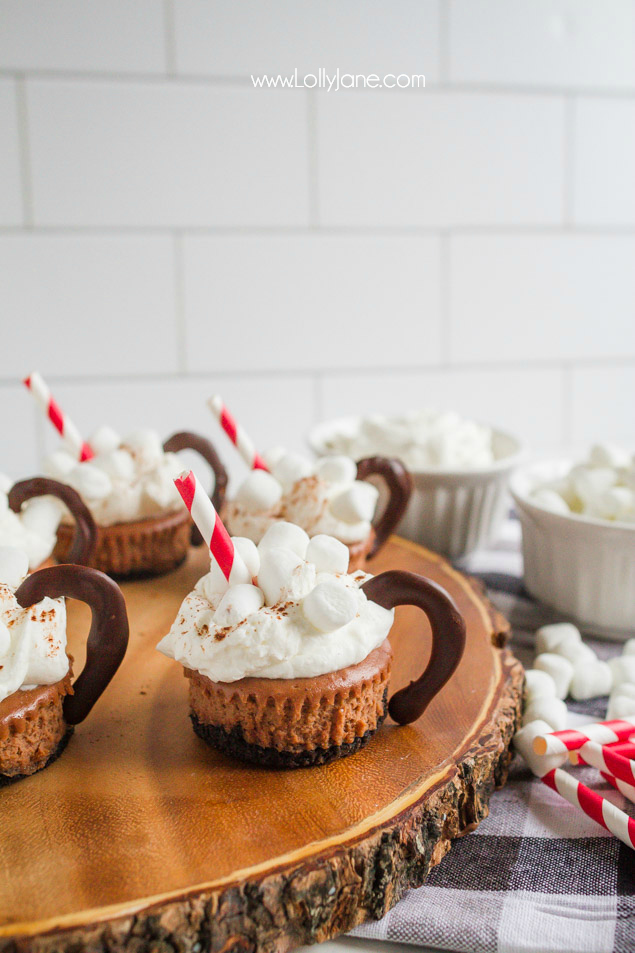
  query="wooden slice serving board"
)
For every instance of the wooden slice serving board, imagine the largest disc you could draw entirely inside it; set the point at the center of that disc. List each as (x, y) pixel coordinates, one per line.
(140, 837)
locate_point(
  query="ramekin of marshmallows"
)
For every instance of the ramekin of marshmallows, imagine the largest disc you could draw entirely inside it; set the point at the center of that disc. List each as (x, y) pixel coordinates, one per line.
(460, 471)
(578, 525)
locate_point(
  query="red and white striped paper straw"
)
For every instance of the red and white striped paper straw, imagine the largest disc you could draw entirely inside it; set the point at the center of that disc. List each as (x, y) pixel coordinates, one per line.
(236, 434)
(209, 523)
(605, 759)
(58, 418)
(595, 806)
(603, 732)
(626, 789)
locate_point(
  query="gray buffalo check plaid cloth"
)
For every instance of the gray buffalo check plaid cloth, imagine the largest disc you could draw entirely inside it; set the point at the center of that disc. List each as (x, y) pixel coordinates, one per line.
(537, 875)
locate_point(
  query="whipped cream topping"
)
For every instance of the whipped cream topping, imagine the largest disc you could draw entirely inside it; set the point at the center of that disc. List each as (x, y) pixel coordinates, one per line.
(34, 529)
(32, 640)
(128, 479)
(422, 440)
(303, 615)
(603, 486)
(323, 498)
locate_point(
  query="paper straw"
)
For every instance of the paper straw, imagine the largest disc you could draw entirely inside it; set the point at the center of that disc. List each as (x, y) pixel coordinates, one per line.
(595, 806)
(236, 434)
(605, 759)
(211, 528)
(603, 732)
(63, 425)
(628, 790)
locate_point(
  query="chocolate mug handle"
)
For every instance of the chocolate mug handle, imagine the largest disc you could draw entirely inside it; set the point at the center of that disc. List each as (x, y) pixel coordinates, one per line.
(108, 636)
(399, 483)
(186, 440)
(399, 588)
(85, 536)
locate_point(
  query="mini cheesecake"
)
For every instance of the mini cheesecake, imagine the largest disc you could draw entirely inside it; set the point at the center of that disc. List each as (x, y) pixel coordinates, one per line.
(330, 497)
(290, 670)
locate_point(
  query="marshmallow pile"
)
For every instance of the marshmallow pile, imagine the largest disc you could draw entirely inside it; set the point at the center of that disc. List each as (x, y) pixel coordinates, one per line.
(34, 529)
(32, 640)
(564, 666)
(127, 479)
(324, 498)
(602, 487)
(299, 615)
(422, 440)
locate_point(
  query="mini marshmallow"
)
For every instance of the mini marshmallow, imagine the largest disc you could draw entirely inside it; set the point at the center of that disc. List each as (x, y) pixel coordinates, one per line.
(104, 439)
(42, 515)
(145, 446)
(551, 710)
(259, 491)
(629, 647)
(118, 464)
(237, 604)
(576, 652)
(249, 552)
(327, 554)
(284, 575)
(290, 468)
(285, 536)
(621, 702)
(550, 636)
(357, 502)
(608, 455)
(550, 500)
(14, 565)
(59, 464)
(560, 669)
(615, 503)
(330, 605)
(538, 684)
(524, 745)
(590, 679)
(90, 482)
(273, 455)
(336, 469)
(590, 483)
(5, 639)
(623, 669)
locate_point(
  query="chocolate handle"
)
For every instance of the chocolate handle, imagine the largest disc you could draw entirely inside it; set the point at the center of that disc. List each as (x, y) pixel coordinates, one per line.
(108, 636)
(399, 483)
(186, 440)
(85, 537)
(399, 588)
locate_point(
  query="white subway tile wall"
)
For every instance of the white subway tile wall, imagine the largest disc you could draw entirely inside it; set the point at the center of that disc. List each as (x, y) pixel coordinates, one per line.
(168, 230)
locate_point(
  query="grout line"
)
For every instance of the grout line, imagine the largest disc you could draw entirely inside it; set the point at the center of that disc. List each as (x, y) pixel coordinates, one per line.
(322, 372)
(567, 404)
(380, 231)
(169, 29)
(245, 81)
(444, 44)
(24, 152)
(179, 303)
(445, 291)
(312, 151)
(570, 104)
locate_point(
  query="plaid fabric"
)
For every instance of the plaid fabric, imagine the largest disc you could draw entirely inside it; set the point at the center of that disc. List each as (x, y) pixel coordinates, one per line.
(537, 875)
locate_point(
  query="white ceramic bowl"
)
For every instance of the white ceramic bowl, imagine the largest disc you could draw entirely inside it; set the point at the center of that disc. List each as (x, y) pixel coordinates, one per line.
(582, 566)
(453, 512)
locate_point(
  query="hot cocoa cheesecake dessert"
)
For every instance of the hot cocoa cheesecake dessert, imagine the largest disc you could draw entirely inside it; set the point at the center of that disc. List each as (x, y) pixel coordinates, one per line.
(287, 652)
(31, 512)
(332, 496)
(39, 704)
(127, 485)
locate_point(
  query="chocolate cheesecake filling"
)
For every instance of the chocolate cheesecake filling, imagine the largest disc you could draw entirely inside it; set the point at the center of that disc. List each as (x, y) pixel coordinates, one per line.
(33, 730)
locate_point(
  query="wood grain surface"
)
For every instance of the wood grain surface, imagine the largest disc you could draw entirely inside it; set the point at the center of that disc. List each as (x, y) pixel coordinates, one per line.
(142, 837)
